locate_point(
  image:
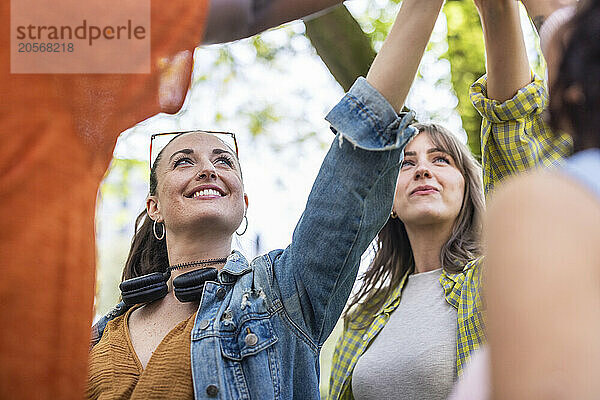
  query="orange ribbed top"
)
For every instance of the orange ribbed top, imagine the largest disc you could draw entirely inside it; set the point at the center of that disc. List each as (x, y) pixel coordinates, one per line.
(116, 372)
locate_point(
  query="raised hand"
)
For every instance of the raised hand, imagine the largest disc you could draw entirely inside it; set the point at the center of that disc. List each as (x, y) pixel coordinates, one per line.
(507, 64)
(394, 68)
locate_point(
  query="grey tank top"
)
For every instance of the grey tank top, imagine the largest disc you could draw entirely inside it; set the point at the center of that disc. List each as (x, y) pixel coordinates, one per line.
(414, 355)
(584, 167)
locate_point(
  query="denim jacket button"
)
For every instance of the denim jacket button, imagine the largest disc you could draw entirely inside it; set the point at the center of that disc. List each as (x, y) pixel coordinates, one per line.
(221, 293)
(226, 315)
(212, 390)
(251, 339)
(204, 324)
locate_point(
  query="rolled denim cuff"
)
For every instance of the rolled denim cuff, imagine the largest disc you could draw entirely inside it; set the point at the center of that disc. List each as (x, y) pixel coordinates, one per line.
(367, 120)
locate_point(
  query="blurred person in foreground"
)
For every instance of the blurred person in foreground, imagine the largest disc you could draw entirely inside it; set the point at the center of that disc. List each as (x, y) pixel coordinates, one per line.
(543, 282)
(58, 135)
(418, 315)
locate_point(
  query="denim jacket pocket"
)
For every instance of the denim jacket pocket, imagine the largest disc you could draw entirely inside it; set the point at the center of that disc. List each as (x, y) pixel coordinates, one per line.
(250, 338)
(252, 361)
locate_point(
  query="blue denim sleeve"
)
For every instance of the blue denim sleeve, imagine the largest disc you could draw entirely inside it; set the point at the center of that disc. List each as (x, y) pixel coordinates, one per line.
(349, 203)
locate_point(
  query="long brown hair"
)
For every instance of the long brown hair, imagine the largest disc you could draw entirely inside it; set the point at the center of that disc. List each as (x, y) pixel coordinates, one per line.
(147, 254)
(393, 253)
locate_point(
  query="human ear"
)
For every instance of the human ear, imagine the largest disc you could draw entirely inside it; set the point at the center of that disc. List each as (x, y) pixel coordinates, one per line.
(153, 209)
(246, 201)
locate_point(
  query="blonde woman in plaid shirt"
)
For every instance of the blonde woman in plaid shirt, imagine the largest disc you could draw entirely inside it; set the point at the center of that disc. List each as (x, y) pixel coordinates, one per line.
(435, 221)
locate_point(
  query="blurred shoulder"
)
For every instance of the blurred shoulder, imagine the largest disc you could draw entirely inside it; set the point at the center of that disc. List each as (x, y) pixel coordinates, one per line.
(549, 194)
(542, 230)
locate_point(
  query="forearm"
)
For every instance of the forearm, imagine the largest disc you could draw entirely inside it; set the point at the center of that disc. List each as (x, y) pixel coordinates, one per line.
(539, 10)
(393, 70)
(508, 67)
(230, 20)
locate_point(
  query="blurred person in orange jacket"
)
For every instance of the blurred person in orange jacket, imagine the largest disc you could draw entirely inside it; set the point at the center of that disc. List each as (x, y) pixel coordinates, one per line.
(58, 135)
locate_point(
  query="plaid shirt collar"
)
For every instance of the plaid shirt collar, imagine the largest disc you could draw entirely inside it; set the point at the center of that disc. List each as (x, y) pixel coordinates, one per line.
(461, 291)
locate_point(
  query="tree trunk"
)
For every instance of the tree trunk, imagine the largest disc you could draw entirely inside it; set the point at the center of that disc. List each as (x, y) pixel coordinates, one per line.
(342, 45)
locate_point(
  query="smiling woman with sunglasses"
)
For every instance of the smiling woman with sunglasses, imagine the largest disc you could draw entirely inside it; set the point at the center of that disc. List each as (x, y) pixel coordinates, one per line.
(200, 321)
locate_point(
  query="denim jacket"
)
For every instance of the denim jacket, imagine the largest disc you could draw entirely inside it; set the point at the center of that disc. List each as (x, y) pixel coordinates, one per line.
(261, 325)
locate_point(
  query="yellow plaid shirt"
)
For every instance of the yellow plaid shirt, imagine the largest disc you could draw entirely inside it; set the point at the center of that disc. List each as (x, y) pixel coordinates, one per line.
(514, 138)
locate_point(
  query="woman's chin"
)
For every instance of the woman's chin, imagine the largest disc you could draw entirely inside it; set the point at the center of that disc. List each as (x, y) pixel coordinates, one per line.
(209, 223)
(427, 216)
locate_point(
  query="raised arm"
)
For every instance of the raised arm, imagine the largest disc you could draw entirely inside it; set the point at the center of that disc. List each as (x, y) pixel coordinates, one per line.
(236, 19)
(514, 136)
(396, 64)
(507, 64)
(352, 196)
(539, 10)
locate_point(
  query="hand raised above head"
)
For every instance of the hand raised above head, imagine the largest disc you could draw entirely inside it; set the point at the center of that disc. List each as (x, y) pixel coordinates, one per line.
(175, 75)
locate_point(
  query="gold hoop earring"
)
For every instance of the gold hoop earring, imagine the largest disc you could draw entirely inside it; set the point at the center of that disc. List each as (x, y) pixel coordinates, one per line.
(393, 215)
